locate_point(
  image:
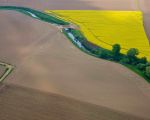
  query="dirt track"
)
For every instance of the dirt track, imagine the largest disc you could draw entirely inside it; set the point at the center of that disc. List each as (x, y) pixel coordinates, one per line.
(46, 60)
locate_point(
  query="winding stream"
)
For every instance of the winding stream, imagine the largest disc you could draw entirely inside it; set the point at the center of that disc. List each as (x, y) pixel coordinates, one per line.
(65, 27)
(52, 19)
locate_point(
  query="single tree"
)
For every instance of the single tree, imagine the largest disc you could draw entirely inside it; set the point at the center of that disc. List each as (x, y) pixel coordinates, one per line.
(103, 54)
(116, 51)
(132, 52)
(141, 66)
(124, 60)
(132, 55)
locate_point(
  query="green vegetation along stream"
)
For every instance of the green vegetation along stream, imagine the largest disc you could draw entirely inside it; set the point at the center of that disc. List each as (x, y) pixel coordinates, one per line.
(76, 37)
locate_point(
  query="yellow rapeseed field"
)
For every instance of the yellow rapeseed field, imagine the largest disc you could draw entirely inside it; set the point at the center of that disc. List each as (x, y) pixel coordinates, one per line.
(105, 28)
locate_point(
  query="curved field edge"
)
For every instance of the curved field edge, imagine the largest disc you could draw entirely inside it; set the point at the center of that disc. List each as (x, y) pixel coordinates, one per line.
(107, 27)
(36, 14)
(91, 49)
(83, 44)
(8, 70)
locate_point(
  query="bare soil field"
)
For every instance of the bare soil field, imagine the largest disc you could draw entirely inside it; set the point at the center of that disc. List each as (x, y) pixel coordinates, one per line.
(46, 60)
(75, 4)
(20, 103)
(144, 5)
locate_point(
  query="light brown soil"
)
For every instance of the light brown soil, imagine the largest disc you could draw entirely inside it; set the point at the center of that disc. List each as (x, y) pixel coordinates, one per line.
(20, 103)
(144, 5)
(73, 4)
(46, 60)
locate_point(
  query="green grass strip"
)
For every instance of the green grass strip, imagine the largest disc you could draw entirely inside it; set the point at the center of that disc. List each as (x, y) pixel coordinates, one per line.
(36, 14)
(8, 70)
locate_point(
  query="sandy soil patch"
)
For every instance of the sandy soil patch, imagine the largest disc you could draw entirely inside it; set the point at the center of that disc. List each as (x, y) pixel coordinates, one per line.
(46, 60)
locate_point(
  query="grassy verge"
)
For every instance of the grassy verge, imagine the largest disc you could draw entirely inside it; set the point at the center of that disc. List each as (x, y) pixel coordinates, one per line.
(88, 47)
(36, 14)
(139, 72)
(82, 49)
(8, 70)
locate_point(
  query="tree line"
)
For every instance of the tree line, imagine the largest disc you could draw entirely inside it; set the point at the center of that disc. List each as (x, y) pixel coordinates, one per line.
(130, 58)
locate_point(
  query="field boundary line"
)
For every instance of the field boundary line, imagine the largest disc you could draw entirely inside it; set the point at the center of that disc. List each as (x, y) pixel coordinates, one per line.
(8, 70)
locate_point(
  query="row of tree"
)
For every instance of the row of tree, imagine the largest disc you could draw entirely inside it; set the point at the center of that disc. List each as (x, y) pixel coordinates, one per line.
(129, 58)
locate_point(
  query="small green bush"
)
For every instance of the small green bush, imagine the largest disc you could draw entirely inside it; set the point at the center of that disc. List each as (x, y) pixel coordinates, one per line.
(125, 60)
(103, 54)
(147, 72)
(132, 55)
(132, 52)
(141, 66)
